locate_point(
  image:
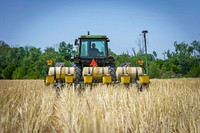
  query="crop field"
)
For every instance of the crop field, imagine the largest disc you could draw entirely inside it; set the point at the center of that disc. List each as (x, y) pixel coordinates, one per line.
(170, 105)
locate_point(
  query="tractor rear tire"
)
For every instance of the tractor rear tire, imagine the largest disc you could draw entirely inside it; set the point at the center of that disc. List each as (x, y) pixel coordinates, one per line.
(78, 73)
(112, 73)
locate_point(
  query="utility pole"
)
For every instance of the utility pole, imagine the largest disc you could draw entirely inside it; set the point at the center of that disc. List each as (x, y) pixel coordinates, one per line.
(145, 46)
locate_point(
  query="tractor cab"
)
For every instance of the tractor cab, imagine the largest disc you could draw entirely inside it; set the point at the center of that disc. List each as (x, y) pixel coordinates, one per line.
(92, 47)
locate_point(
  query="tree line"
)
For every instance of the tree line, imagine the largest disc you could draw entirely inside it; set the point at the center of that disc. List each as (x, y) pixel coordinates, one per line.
(29, 62)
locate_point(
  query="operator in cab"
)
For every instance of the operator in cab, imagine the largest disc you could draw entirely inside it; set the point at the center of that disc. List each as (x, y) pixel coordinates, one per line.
(93, 51)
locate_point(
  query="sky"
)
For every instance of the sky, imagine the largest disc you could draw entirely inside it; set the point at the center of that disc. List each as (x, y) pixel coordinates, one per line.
(45, 23)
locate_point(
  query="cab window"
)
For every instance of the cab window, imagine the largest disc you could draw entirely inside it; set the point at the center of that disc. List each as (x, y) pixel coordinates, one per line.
(93, 48)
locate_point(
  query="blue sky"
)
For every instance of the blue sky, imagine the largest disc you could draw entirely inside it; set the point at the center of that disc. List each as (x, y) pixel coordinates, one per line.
(45, 23)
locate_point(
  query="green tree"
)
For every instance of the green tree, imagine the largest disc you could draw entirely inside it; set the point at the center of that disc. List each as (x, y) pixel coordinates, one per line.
(4, 48)
(8, 71)
(196, 49)
(66, 50)
(154, 69)
(20, 72)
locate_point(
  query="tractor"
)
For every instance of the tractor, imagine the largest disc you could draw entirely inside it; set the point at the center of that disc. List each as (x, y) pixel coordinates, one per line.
(93, 64)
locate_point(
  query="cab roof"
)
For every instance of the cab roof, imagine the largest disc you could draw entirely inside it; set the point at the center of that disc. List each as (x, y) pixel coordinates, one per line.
(93, 36)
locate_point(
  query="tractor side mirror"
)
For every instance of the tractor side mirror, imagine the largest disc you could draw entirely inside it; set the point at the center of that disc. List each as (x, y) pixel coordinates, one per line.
(76, 42)
(108, 40)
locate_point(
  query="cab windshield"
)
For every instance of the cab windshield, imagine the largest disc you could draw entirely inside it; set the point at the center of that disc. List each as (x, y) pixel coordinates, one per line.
(93, 48)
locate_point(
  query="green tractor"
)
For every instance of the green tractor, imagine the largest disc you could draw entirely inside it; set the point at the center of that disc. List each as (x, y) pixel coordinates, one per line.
(93, 51)
(93, 64)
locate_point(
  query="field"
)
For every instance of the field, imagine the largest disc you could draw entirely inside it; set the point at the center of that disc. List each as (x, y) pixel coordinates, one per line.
(170, 105)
